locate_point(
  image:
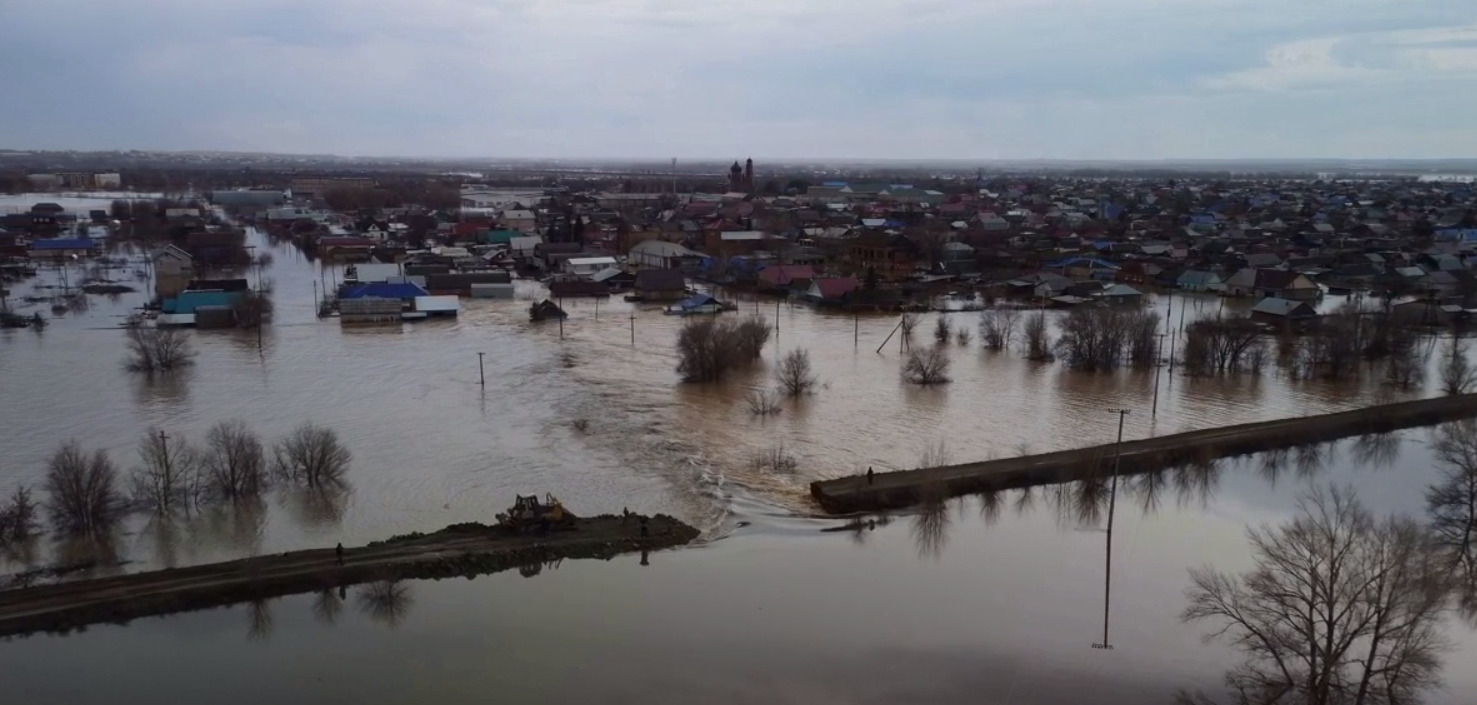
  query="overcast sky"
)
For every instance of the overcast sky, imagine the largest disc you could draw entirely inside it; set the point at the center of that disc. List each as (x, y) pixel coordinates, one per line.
(975, 79)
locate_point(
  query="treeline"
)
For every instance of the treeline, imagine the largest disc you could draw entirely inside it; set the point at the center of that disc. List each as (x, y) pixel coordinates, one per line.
(86, 494)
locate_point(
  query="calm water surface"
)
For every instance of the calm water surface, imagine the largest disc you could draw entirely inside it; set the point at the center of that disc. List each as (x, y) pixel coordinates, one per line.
(771, 609)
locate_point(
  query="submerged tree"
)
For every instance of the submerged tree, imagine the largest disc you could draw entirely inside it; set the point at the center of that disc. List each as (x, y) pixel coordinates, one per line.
(18, 521)
(708, 348)
(927, 367)
(233, 461)
(312, 455)
(168, 475)
(997, 327)
(1218, 346)
(81, 491)
(158, 349)
(1037, 333)
(1339, 607)
(795, 375)
(942, 331)
(1457, 373)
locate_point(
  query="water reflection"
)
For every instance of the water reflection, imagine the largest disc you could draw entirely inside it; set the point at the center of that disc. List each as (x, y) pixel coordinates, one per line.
(321, 507)
(258, 620)
(930, 525)
(328, 604)
(385, 601)
(1451, 505)
(162, 389)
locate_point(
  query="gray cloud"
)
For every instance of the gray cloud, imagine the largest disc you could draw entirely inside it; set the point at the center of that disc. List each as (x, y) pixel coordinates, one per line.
(800, 78)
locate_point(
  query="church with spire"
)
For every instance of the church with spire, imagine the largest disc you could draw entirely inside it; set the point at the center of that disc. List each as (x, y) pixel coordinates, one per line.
(741, 178)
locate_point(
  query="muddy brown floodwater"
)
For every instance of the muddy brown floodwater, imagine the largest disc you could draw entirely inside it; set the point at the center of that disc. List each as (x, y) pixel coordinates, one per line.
(1000, 600)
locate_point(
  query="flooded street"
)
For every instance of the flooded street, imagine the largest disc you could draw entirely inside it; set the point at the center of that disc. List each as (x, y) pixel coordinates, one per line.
(999, 599)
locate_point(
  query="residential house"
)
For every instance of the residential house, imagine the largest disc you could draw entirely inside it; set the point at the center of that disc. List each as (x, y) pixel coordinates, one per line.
(587, 266)
(173, 270)
(659, 254)
(660, 285)
(1276, 283)
(891, 256)
(1122, 294)
(1200, 281)
(1279, 311)
(564, 288)
(784, 277)
(519, 219)
(832, 290)
(345, 248)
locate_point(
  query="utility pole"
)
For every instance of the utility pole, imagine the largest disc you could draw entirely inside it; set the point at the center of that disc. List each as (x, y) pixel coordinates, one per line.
(1157, 368)
(481, 378)
(562, 316)
(856, 330)
(633, 329)
(597, 308)
(1112, 505)
(168, 474)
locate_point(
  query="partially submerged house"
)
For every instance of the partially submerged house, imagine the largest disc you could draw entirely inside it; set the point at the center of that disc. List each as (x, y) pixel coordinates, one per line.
(660, 285)
(1274, 283)
(832, 291)
(1282, 311)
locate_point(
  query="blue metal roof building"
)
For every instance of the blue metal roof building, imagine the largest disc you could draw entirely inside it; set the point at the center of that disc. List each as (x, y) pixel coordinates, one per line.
(384, 290)
(188, 301)
(81, 243)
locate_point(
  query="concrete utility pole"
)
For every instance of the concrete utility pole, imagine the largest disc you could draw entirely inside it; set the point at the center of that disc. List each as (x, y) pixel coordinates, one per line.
(1112, 505)
(481, 378)
(633, 329)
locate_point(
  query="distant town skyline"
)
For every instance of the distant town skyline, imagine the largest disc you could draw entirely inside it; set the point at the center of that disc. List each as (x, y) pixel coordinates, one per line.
(814, 79)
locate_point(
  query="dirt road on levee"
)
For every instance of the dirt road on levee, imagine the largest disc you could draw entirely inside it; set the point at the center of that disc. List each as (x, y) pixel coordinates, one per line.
(458, 550)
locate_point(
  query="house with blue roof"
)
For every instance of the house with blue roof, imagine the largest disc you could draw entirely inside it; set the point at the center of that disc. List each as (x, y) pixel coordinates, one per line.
(402, 291)
(62, 248)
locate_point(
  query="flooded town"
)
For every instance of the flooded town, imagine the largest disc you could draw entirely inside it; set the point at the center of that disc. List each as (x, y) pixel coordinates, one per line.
(641, 352)
(246, 372)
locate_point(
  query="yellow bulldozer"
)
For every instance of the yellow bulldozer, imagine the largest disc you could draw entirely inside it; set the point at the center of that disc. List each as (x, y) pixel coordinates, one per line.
(529, 514)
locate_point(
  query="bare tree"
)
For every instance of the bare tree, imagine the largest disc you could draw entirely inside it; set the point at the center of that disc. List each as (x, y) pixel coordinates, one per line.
(1099, 338)
(312, 455)
(254, 309)
(927, 367)
(749, 337)
(158, 349)
(81, 491)
(762, 402)
(1215, 346)
(962, 336)
(707, 348)
(1339, 607)
(997, 327)
(1037, 333)
(934, 455)
(168, 475)
(1457, 373)
(775, 459)
(18, 517)
(233, 461)
(794, 373)
(1405, 367)
(942, 331)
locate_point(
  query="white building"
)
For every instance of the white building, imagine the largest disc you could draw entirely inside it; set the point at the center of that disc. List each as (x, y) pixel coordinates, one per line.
(588, 266)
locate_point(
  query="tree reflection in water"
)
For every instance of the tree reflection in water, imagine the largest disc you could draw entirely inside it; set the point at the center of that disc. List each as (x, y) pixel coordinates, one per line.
(1339, 607)
(385, 601)
(1451, 504)
(1376, 450)
(930, 527)
(328, 604)
(259, 620)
